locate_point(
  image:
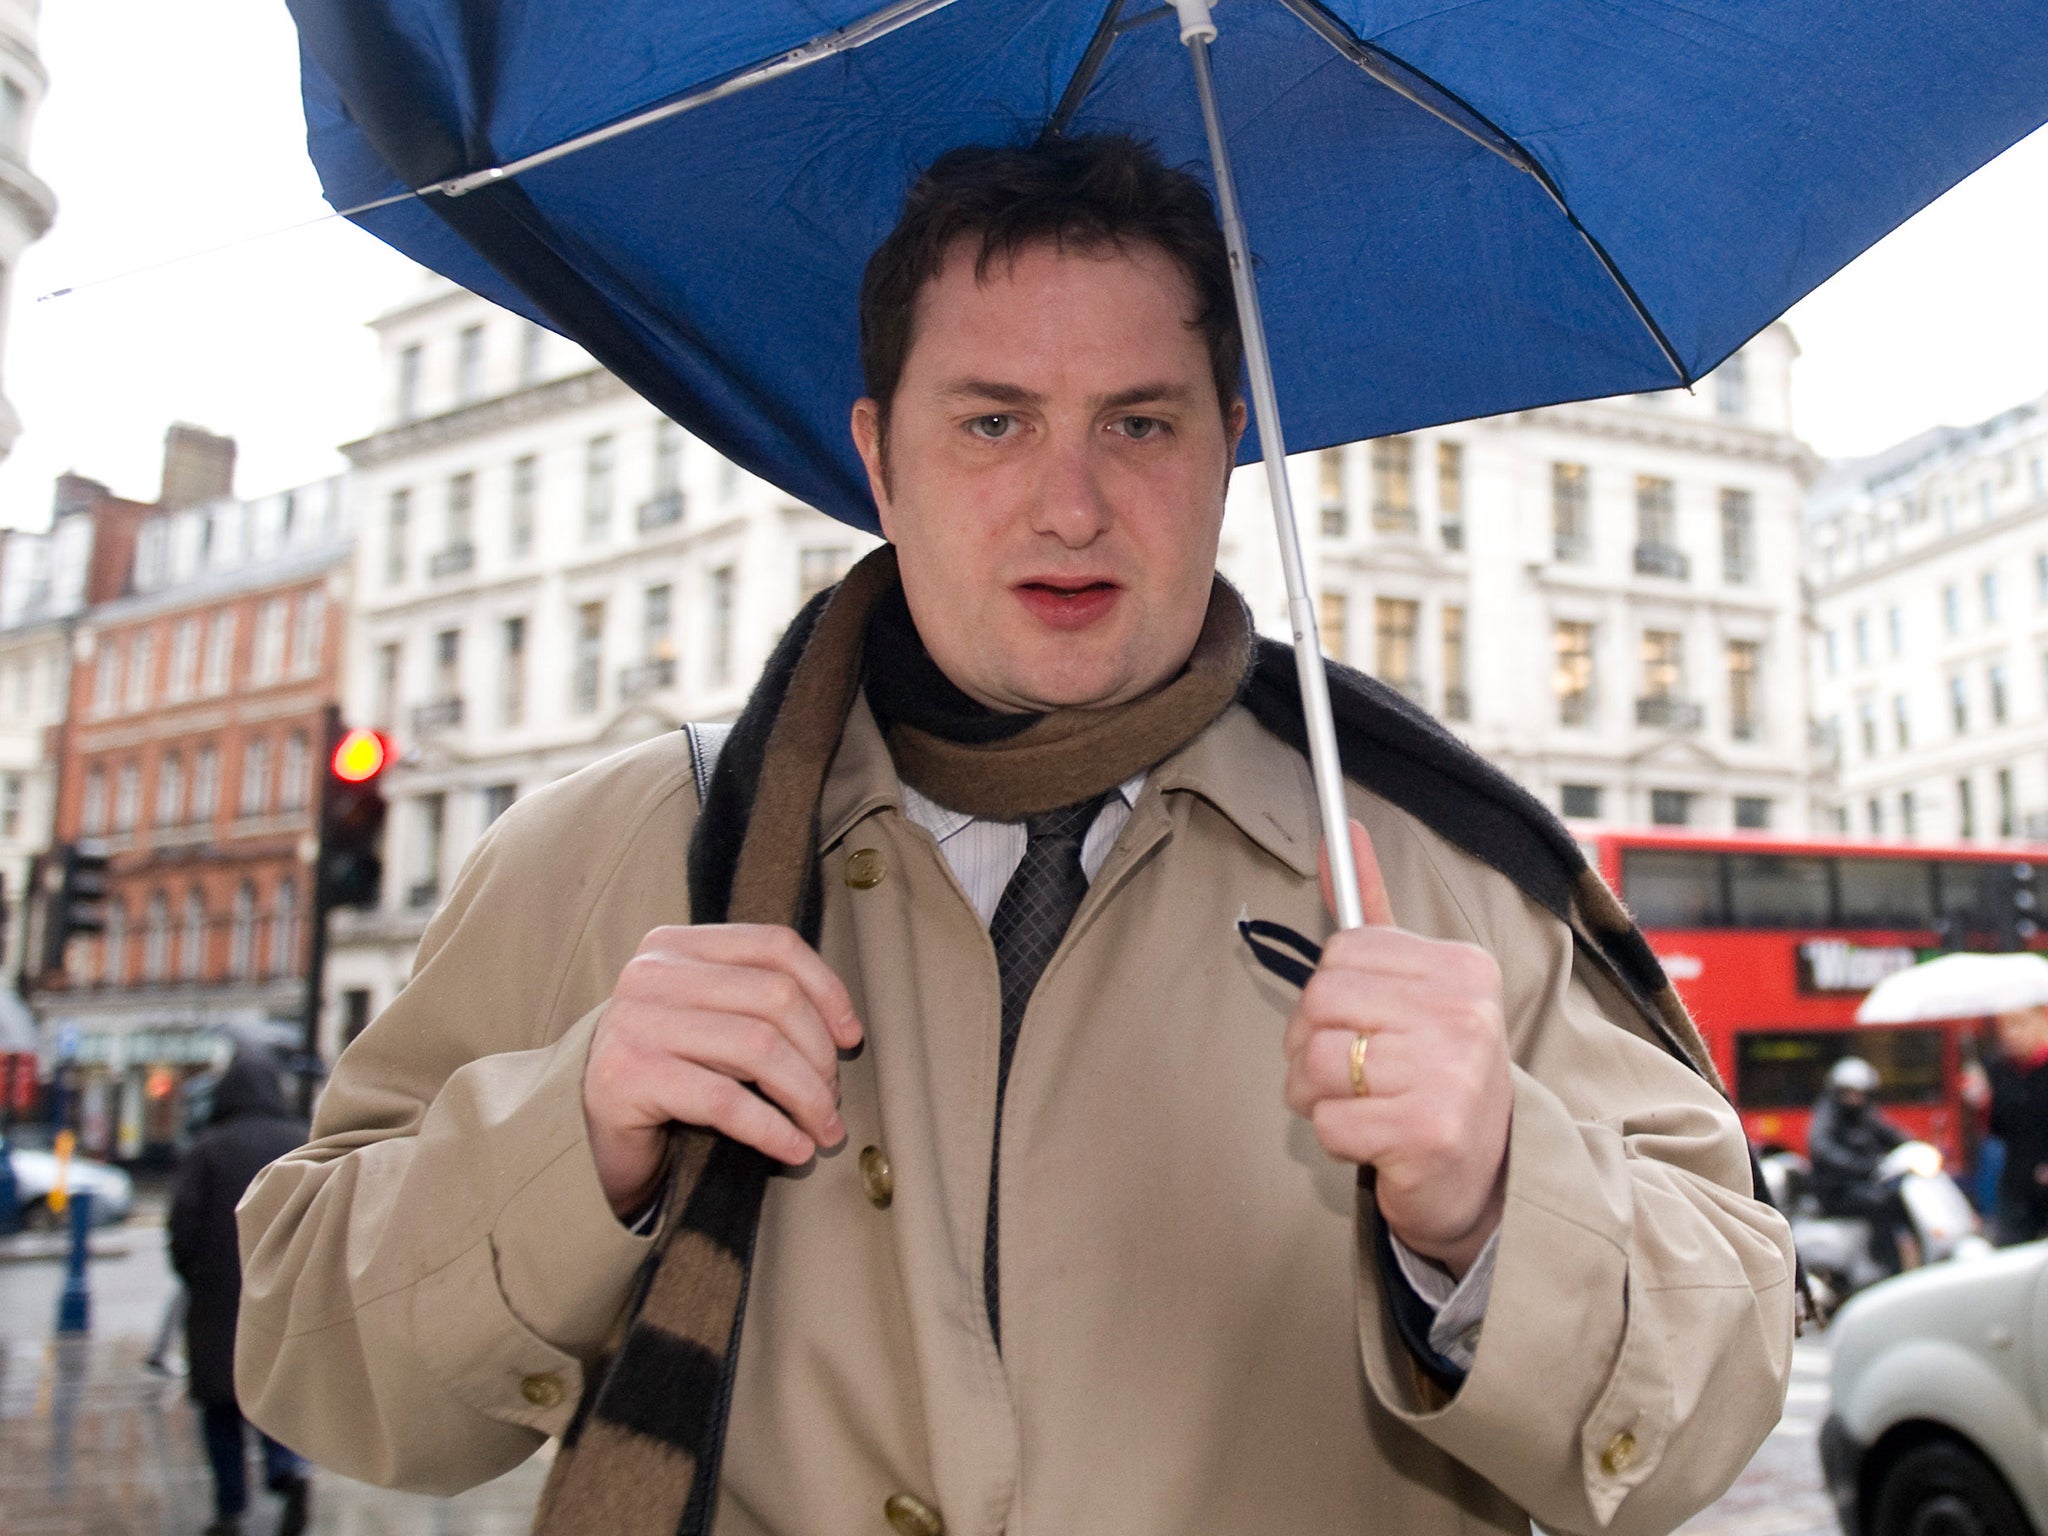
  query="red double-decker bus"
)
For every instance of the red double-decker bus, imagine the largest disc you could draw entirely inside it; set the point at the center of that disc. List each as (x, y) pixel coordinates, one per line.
(1772, 943)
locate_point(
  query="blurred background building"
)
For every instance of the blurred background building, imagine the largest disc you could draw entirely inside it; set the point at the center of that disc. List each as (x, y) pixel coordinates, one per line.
(26, 205)
(1929, 565)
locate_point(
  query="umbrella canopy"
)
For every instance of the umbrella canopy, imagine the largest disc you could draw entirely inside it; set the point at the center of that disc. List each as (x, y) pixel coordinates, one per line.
(1960, 986)
(1456, 210)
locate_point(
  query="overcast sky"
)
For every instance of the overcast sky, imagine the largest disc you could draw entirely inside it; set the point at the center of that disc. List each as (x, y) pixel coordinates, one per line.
(173, 127)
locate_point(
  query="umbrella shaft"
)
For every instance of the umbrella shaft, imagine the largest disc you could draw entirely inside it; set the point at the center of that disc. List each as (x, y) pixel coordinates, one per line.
(1196, 30)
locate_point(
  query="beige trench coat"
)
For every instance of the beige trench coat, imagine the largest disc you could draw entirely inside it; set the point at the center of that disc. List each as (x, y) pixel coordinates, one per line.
(1194, 1334)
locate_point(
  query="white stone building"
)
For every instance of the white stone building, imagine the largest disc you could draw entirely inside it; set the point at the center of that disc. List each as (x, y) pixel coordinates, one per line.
(1603, 598)
(547, 571)
(26, 204)
(1929, 565)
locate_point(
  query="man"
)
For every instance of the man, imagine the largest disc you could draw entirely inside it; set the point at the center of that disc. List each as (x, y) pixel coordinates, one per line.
(249, 1125)
(1086, 1219)
(1845, 1141)
(2017, 1096)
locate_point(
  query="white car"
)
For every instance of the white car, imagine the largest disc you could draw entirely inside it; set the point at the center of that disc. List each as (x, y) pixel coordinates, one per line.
(1940, 1401)
(35, 1175)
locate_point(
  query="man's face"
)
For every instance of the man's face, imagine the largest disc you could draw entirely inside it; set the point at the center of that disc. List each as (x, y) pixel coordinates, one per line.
(1056, 463)
(2024, 1032)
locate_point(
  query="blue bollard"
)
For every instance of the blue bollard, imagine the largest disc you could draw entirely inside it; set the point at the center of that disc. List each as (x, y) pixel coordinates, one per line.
(74, 1307)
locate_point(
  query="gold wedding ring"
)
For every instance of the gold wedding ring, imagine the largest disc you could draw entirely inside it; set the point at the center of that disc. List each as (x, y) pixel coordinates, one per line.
(1359, 1042)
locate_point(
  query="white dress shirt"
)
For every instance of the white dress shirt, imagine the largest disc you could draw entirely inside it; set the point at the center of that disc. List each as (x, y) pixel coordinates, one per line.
(984, 854)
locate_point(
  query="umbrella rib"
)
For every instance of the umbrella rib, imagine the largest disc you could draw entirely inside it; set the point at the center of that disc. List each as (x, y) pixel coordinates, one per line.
(1083, 80)
(1495, 141)
(854, 34)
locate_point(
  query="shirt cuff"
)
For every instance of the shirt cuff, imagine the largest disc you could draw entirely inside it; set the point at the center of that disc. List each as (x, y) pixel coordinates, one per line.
(1459, 1305)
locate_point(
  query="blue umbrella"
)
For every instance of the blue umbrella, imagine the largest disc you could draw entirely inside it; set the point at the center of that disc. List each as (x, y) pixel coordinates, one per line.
(1456, 209)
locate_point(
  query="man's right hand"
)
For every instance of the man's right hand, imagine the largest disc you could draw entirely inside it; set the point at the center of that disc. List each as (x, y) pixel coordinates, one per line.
(698, 1014)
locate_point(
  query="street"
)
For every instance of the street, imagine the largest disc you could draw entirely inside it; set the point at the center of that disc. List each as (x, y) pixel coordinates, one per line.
(93, 1444)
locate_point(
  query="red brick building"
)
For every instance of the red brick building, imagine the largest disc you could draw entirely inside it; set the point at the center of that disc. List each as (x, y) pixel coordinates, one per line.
(192, 758)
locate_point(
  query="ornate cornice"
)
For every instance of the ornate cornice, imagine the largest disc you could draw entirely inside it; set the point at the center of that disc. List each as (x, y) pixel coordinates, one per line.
(1648, 424)
(496, 414)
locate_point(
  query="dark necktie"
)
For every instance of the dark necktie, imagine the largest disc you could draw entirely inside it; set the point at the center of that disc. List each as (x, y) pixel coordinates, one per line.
(1030, 920)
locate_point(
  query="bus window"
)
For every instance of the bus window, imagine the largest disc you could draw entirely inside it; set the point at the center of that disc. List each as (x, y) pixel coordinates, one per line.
(1886, 893)
(1767, 890)
(1971, 908)
(1787, 1069)
(1668, 888)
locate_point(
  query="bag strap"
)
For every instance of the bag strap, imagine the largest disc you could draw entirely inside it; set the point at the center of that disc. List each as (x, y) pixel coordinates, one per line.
(706, 742)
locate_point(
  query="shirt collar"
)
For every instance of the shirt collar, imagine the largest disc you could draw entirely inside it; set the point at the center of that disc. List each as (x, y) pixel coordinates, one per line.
(943, 822)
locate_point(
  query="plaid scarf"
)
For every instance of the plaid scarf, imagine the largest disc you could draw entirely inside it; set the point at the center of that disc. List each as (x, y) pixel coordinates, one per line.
(641, 1456)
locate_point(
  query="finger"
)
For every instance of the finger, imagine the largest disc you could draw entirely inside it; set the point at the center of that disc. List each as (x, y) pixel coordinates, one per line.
(698, 1096)
(1341, 997)
(752, 1050)
(668, 981)
(773, 947)
(1372, 886)
(1363, 1131)
(1322, 1069)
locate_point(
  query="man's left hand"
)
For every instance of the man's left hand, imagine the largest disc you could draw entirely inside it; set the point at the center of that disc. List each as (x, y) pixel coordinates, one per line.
(1432, 1120)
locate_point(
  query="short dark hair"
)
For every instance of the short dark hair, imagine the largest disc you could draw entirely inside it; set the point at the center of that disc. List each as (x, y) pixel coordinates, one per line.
(1087, 192)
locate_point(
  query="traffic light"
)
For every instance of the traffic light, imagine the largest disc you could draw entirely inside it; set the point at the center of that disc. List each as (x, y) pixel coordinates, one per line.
(352, 819)
(78, 900)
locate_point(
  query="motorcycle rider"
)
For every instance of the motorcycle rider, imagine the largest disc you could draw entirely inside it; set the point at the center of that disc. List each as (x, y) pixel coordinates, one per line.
(1848, 1138)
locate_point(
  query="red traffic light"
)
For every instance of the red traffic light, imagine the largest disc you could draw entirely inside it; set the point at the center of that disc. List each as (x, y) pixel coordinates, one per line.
(360, 756)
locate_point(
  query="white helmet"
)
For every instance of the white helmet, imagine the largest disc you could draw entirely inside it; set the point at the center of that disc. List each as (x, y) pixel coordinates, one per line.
(1852, 1074)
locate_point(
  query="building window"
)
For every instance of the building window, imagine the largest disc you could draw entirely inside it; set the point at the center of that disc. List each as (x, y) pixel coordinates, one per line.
(1731, 387)
(1753, 813)
(297, 775)
(1908, 814)
(1866, 718)
(268, 663)
(1333, 620)
(2008, 809)
(657, 643)
(1994, 676)
(498, 800)
(533, 343)
(192, 943)
(525, 490)
(156, 938)
(115, 942)
(588, 667)
(1581, 801)
(447, 665)
(205, 785)
(1745, 700)
(1330, 483)
(1663, 664)
(597, 488)
(170, 790)
(409, 383)
(106, 679)
(1670, 807)
(10, 804)
(819, 568)
(1657, 552)
(1874, 816)
(723, 585)
(1895, 624)
(242, 934)
(1738, 537)
(141, 669)
(284, 929)
(433, 831)
(1861, 629)
(220, 653)
(461, 502)
(309, 634)
(1902, 721)
(355, 1013)
(668, 458)
(1393, 485)
(512, 672)
(1457, 701)
(1959, 705)
(1393, 650)
(1966, 810)
(397, 532)
(92, 815)
(1450, 494)
(1952, 608)
(1987, 588)
(469, 364)
(1571, 679)
(184, 673)
(255, 798)
(1570, 513)
(127, 796)
(1830, 652)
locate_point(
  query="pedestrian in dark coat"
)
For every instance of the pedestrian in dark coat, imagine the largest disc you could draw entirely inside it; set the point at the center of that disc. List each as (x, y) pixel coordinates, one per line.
(2019, 1117)
(251, 1126)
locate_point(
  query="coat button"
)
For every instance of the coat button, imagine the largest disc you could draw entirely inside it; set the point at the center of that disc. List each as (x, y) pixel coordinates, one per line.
(912, 1516)
(865, 868)
(877, 1177)
(543, 1391)
(1620, 1453)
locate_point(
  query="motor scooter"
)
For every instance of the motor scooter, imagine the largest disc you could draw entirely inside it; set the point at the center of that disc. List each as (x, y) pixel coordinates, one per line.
(1837, 1250)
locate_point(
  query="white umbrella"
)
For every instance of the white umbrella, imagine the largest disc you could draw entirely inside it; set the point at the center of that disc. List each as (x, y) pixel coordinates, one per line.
(1958, 987)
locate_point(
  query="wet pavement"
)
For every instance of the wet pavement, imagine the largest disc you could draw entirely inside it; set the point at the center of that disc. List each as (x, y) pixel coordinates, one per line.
(94, 1444)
